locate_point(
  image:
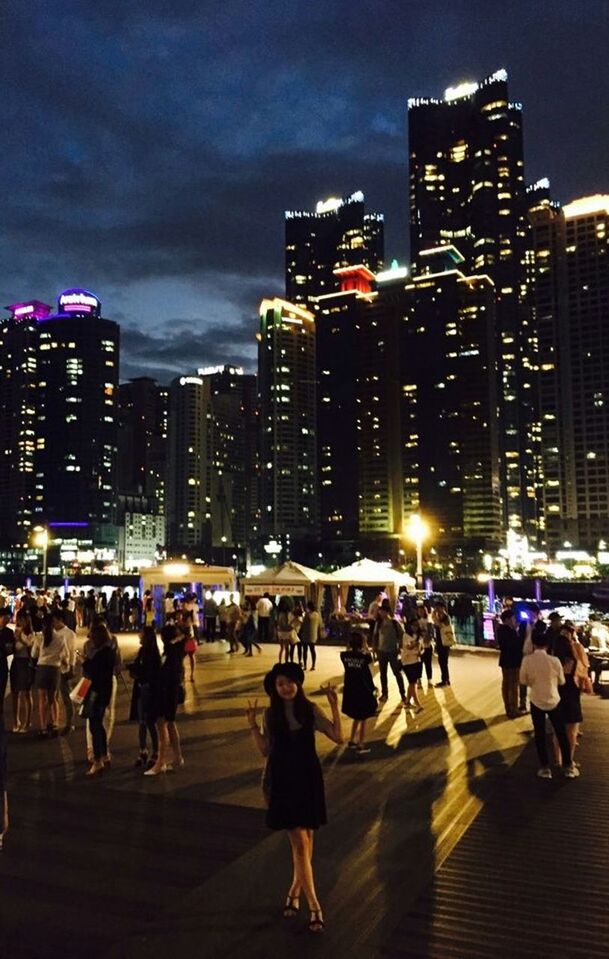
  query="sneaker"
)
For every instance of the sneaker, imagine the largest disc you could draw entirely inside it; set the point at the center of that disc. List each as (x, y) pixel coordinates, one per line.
(544, 773)
(362, 749)
(571, 772)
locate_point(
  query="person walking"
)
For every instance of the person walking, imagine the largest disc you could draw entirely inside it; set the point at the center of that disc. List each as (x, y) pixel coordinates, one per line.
(296, 618)
(22, 672)
(98, 666)
(565, 650)
(145, 699)
(411, 662)
(543, 674)
(532, 625)
(510, 660)
(171, 695)
(389, 643)
(310, 632)
(445, 639)
(264, 608)
(233, 620)
(284, 631)
(222, 618)
(293, 782)
(249, 631)
(359, 699)
(110, 711)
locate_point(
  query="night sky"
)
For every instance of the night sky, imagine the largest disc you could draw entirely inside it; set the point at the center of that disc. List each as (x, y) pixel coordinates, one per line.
(151, 148)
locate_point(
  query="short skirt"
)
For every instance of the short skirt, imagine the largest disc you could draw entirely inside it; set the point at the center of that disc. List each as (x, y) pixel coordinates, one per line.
(22, 675)
(414, 671)
(47, 677)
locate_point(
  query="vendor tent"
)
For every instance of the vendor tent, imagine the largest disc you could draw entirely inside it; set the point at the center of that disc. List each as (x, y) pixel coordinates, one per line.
(289, 579)
(366, 572)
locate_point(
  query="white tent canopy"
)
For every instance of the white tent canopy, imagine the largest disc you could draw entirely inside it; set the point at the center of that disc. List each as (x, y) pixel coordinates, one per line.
(366, 572)
(174, 573)
(289, 579)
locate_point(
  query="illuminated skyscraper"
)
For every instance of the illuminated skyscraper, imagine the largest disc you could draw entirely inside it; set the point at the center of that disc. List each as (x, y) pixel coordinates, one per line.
(467, 190)
(450, 428)
(569, 289)
(288, 421)
(77, 418)
(358, 413)
(338, 234)
(142, 439)
(18, 409)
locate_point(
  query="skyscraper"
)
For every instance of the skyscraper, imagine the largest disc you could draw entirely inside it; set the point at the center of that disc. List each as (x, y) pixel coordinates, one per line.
(338, 234)
(77, 418)
(358, 411)
(467, 190)
(212, 477)
(142, 439)
(449, 407)
(288, 420)
(569, 263)
(18, 415)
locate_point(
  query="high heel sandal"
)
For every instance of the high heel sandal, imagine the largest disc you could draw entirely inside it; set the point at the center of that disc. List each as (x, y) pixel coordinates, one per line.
(156, 770)
(316, 922)
(292, 905)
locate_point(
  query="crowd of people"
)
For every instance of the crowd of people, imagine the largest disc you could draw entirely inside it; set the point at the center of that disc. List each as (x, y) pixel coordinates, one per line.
(544, 667)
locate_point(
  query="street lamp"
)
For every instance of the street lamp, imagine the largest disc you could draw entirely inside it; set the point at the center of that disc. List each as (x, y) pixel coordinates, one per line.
(41, 540)
(417, 531)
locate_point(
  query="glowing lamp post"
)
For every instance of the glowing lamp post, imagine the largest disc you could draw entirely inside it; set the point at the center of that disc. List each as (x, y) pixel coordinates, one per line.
(41, 541)
(417, 531)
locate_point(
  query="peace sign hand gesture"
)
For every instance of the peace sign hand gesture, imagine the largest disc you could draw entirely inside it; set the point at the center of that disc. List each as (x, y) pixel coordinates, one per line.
(252, 713)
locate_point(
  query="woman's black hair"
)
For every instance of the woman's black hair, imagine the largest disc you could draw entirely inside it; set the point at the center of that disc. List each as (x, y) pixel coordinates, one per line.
(303, 711)
(150, 647)
(356, 641)
(47, 631)
(24, 617)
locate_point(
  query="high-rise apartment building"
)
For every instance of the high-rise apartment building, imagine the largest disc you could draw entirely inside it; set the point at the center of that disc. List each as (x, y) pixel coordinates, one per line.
(358, 413)
(467, 190)
(212, 478)
(569, 292)
(288, 421)
(142, 439)
(450, 428)
(338, 234)
(77, 418)
(18, 416)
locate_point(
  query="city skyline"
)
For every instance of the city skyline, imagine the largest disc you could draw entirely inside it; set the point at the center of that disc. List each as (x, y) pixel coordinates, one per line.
(124, 161)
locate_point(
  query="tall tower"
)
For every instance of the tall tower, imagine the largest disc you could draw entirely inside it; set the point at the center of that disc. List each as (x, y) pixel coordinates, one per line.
(18, 415)
(467, 190)
(338, 234)
(77, 417)
(288, 421)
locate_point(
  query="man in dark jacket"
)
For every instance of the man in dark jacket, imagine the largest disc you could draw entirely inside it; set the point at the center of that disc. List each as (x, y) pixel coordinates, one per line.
(510, 658)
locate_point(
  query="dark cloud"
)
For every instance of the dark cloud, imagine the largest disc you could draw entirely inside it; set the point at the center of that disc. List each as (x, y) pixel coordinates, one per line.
(151, 147)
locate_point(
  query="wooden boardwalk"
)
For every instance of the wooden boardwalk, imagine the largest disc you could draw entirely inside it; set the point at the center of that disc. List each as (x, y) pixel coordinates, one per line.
(131, 868)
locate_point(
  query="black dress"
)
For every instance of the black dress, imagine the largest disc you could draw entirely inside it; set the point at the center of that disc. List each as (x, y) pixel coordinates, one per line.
(293, 784)
(171, 674)
(570, 696)
(359, 701)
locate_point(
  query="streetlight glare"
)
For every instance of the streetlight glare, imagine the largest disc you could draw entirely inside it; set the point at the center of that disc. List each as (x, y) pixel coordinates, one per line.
(417, 529)
(40, 538)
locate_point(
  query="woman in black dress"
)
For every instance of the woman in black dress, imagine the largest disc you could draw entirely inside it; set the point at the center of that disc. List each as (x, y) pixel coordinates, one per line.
(359, 700)
(293, 782)
(98, 666)
(171, 695)
(570, 694)
(145, 700)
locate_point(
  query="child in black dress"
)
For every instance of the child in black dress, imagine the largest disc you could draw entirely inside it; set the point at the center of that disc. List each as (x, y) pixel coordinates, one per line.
(293, 782)
(359, 699)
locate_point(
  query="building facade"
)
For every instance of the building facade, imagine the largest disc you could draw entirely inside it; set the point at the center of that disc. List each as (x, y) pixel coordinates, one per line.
(450, 425)
(288, 421)
(467, 189)
(142, 439)
(338, 234)
(18, 415)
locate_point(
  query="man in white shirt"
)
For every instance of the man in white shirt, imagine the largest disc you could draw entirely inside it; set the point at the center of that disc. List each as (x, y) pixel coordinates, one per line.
(264, 608)
(67, 670)
(543, 674)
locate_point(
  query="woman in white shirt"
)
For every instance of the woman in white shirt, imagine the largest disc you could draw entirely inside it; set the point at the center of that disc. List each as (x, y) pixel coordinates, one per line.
(51, 652)
(22, 673)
